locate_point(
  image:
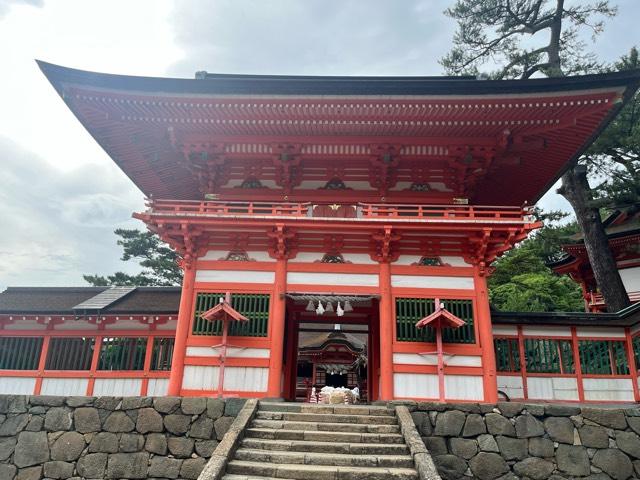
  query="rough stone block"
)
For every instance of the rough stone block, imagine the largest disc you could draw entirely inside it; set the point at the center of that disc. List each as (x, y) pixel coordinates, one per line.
(541, 447)
(614, 463)
(222, 425)
(215, 407)
(534, 468)
(180, 447)
(127, 465)
(165, 467)
(7, 446)
(629, 443)
(449, 466)
(233, 406)
(32, 448)
(134, 403)
(554, 410)
(177, 424)
(613, 418)
(512, 448)
(13, 404)
(46, 400)
(92, 465)
(474, 425)
(487, 466)
(31, 473)
(463, 447)
(86, 420)
(449, 423)
(560, 429)
(435, 445)
(68, 447)
(193, 405)
(108, 403)
(7, 471)
(58, 469)
(131, 442)
(14, 424)
(573, 459)
(510, 409)
(104, 442)
(118, 422)
(156, 443)
(594, 437)
(487, 443)
(499, 425)
(201, 428)
(528, 426)
(75, 402)
(205, 448)
(149, 421)
(192, 467)
(166, 404)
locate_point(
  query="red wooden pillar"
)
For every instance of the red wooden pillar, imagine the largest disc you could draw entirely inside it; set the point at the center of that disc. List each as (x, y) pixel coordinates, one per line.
(277, 320)
(147, 366)
(182, 330)
(631, 360)
(523, 364)
(577, 364)
(485, 334)
(386, 333)
(41, 363)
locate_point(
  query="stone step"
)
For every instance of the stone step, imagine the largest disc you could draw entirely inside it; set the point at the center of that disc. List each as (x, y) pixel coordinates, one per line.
(328, 417)
(318, 472)
(326, 447)
(334, 459)
(326, 426)
(324, 408)
(323, 436)
(231, 476)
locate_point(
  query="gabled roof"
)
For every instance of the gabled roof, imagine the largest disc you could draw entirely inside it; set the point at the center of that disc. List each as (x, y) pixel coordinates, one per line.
(62, 300)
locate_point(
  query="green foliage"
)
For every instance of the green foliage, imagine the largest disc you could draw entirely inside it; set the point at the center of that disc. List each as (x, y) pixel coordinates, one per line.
(524, 36)
(159, 262)
(523, 283)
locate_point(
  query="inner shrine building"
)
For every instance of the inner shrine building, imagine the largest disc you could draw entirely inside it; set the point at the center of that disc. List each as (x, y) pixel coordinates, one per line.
(359, 204)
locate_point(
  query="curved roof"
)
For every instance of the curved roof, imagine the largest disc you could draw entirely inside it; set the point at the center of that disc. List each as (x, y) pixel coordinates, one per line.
(522, 134)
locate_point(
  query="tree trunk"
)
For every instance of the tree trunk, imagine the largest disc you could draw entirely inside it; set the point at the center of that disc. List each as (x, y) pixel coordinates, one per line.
(575, 188)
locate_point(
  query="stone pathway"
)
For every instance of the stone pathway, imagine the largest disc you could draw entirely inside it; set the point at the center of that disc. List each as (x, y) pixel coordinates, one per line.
(322, 442)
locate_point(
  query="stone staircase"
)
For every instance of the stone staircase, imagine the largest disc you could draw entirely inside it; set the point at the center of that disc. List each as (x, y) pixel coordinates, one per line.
(322, 442)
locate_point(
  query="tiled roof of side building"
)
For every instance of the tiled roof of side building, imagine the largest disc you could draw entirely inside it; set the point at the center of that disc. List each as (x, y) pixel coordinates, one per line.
(18, 300)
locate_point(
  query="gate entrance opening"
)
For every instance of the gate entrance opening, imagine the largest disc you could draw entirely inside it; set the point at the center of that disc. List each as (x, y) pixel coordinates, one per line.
(331, 346)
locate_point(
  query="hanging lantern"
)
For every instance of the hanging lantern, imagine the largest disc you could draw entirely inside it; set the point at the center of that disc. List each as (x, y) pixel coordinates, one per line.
(347, 306)
(310, 306)
(339, 310)
(320, 309)
(329, 307)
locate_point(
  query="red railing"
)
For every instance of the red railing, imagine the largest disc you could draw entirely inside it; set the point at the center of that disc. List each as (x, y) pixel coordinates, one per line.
(362, 210)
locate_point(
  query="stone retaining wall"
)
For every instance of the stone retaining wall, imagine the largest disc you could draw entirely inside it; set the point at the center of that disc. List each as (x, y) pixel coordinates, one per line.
(110, 437)
(514, 440)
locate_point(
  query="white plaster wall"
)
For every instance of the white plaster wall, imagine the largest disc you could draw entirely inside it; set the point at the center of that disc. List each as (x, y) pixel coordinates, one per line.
(157, 387)
(345, 279)
(415, 281)
(552, 388)
(450, 360)
(615, 332)
(25, 325)
(463, 387)
(256, 255)
(170, 325)
(505, 330)
(231, 352)
(631, 278)
(17, 385)
(127, 387)
(197, 377)
(246, 379)
(546, 331)
(451, 260)
(234, 276)
(313, 257)
(455, 261)
(72, 324)
(64, 386)
(126, 324)
(511, 385)
(415, 385)
(608, 389)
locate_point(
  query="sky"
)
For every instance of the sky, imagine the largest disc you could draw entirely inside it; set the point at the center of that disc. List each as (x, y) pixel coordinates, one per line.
(61, 196)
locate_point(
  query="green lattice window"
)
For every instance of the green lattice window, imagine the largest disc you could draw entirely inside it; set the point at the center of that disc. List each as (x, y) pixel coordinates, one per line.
(252, 305)
(507, 354)
(162, 353)
(548, 356)
(70, 353)
(410, 310)
(122, 353)
(20, 353)
(636, 350)
(603, 357)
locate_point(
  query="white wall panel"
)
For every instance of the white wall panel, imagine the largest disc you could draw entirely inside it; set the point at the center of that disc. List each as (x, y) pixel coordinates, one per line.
(552, 388)
(463, 387)
(608, 389)
(600, 332)
(258, 256)
(158, 387)
(234, 276)
(17, 385)
(631, 278)
(127, 387)
(546, 331)
(231, 352)
(346, 279)
(170, 325)
(505, 330)
(419, 281)
(455, 261)
(198, 377)
(125, 324)
(511, 385)
(415, 385)
(71, 324)
(451, 360)
(246, 379)
(407, 260)
(64, 386)
(25, 325)
(411, 259)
